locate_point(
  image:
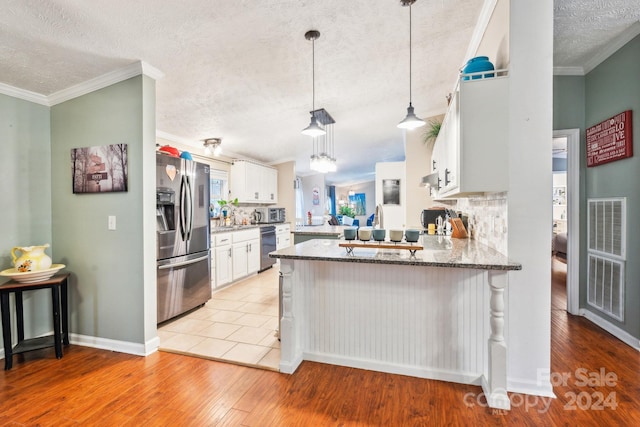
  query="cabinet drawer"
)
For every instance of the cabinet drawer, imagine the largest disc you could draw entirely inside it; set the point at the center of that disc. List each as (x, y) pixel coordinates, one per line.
(285, 228)
(221, 239)
(244, 235)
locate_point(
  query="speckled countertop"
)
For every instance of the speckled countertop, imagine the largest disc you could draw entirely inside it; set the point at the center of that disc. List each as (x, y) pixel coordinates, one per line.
(319, 230)
(226, 229)
(439, 251)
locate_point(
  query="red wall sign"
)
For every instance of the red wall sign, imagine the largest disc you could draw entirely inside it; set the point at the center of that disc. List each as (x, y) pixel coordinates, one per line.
(610, 140)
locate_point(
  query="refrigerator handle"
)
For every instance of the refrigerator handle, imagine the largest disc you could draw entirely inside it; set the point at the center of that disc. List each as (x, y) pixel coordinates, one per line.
(183, 263)
(190, 206)
(183, 225)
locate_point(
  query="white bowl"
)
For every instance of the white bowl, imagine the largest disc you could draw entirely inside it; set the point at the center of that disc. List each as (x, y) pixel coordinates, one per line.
(32, 276)
(364, 234)
(396, 235)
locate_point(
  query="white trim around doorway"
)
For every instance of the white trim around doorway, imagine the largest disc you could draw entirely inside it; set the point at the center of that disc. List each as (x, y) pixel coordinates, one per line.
(573, 215)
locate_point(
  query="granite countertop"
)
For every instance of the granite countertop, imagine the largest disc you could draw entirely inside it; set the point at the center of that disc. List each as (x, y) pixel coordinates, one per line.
(320, 230)
(226, 229)
(439, 251)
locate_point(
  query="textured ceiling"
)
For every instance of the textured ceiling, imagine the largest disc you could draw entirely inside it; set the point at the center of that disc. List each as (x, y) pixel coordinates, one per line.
(241, 69)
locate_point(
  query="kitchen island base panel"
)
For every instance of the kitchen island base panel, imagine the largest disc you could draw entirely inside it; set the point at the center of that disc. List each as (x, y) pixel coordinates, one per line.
(426, 322)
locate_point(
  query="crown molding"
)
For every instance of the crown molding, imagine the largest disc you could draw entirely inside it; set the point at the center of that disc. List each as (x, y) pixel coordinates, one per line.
(134, 69)
(177, 139)
(625, 37)
(116, 76)
(481, 27)
(26, 95)
(568, 71)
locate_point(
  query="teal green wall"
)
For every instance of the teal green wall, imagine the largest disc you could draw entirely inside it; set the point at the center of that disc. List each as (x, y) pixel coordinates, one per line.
(582, 101)
(611, 88)
(110, 268)
(25, 217)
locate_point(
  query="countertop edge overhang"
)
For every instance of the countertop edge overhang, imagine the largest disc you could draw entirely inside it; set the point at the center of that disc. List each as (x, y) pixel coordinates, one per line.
(438, 251)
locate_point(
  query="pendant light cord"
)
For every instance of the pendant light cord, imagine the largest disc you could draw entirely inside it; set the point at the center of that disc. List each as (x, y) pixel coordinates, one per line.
(313, 76)
(409, 54)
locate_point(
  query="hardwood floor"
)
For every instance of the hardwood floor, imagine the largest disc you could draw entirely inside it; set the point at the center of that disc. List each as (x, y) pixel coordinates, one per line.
(96, 387)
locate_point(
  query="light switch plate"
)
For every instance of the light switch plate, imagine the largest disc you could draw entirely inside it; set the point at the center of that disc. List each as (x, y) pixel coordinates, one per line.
(112, 222)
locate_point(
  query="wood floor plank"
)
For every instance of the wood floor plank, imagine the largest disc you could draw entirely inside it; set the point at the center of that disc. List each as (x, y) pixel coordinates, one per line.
(96, 387)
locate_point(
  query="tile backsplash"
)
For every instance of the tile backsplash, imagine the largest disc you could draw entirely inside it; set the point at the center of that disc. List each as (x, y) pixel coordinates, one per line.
(487, 219)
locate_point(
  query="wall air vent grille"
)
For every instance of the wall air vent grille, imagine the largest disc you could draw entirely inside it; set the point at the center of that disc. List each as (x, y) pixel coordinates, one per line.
(606, 285)
(606, 236)
(607, 226)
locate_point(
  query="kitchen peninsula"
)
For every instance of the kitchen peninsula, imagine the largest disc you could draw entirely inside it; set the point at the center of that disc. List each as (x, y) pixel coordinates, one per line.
(438, 314)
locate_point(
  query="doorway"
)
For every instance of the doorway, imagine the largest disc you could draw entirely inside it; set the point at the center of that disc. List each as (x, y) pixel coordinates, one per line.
(570, 207)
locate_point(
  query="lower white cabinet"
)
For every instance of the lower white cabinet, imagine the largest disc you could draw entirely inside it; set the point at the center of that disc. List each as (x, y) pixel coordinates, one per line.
(283, 236)
(234, 255)
(221, 255)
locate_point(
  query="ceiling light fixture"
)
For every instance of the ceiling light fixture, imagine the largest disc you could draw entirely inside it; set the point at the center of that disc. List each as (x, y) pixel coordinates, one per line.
(314, 129)
(411, 121)
(323, 159)
(213, 146)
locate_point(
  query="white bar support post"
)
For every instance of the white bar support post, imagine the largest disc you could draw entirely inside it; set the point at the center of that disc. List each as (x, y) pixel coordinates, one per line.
(495, 385)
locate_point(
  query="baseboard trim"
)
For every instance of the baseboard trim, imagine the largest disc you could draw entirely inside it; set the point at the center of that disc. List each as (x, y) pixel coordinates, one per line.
(113, 345)
(614, 330)
(413, 371)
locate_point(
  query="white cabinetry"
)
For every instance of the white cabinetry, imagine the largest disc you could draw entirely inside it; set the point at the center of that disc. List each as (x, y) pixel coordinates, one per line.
(223, 259)
(253, 183)
(283, 236)
(245, 252)
(471, 151)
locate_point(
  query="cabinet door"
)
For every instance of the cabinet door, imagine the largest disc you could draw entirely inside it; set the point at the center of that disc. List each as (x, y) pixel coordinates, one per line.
(451, 145)
(437, 158)
(213, 269)
(223, 265)
(253, 256)
(270, 190)
(240, 256)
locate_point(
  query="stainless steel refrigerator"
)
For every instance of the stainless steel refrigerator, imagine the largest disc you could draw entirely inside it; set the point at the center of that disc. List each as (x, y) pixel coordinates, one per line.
(182, 218)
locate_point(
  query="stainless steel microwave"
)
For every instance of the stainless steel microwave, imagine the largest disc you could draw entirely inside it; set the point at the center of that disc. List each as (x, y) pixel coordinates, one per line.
(265, 215)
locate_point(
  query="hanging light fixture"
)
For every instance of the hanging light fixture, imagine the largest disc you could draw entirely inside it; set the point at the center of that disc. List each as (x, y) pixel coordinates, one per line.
(411, 121)
(314, 129)
(213, 146)
(323, 159)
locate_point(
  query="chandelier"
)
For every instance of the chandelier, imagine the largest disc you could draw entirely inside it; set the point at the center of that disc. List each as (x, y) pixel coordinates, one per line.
(323, 159)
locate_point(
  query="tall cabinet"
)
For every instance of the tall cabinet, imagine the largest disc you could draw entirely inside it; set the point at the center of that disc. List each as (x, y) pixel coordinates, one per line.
(470, 154)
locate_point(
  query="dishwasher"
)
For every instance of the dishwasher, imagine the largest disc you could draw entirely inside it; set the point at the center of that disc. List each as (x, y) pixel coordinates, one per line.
(267, 244)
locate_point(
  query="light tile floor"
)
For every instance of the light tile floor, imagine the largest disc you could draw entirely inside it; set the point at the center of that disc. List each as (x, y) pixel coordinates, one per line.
(238, 325)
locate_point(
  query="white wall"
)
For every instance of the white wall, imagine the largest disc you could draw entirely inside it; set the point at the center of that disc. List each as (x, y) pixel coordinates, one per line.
(417, 164)
(308, 183)
(529, 195)
(286, 192)
(394, 215)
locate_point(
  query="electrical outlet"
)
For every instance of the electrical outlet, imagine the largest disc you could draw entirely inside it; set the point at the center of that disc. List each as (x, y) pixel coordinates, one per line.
(112, 222)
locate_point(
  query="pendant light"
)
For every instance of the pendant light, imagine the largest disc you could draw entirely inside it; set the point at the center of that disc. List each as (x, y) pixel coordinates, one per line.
(323, 159)
(314, 129)
(411, 121)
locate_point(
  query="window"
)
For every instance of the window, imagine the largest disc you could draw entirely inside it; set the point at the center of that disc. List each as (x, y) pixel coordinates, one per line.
(218, 190)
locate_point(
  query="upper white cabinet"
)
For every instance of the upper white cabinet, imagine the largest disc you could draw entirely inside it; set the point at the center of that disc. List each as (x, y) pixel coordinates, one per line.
(253, 183)
(471, 151)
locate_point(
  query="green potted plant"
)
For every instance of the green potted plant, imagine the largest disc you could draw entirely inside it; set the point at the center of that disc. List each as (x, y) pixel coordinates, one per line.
(346, 210)
(433, 129)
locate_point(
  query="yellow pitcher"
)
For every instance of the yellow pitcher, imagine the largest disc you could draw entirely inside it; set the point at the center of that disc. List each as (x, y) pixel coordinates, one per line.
(33, 258)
